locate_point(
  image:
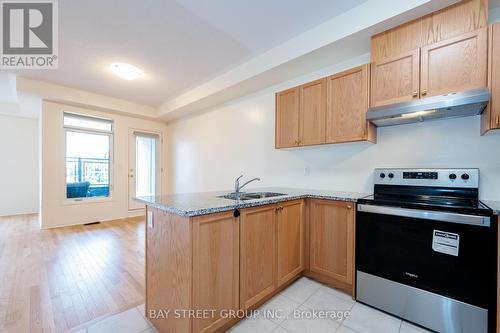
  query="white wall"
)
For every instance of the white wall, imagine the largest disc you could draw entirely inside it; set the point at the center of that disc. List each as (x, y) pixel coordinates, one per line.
(208, 150)
(56, 210)
(19, 165)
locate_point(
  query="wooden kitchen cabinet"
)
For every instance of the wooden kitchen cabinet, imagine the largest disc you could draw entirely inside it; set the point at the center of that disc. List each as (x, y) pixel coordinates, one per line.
(443, 52)
(191, 264)
(222, 262)
(272, 249)
(328, 110)
(460, 18)
(290, 241)
(454, 64)
(168, 269)
(312, 113)
(287, 118)
(490, 119)
(498, 283)
(451, 65)
(258, 254)
(347, 104)
(395, 79)
(215, 267)
(331, 242)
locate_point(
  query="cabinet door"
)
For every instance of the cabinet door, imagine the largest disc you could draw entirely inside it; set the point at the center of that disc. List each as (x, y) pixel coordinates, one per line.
(454, 64)
(347, 103)
(312, 113)
(215, 267)
(490, 119)
(395, 79)
(332, 240)
(290, 241)
(258, 254)
(287, 118)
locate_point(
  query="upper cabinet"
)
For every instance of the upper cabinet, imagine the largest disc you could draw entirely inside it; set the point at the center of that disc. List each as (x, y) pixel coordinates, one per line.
(287, 118)
(328, 110)
(443, 52)
(395, 79)
(347, 103)
(454, 64)
(312, 113)
(300, 115)
(490, 118)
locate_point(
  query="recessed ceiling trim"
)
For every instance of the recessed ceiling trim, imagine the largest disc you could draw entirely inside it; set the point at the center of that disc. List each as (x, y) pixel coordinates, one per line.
(373, 13)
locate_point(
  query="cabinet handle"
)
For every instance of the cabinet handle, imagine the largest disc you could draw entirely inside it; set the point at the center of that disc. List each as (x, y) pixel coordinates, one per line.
(414, 94)
(424, 92)
(349, 207)
(497, 120)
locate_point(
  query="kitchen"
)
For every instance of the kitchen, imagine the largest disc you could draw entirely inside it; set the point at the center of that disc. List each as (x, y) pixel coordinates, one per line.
(239, 254)
(333, 168)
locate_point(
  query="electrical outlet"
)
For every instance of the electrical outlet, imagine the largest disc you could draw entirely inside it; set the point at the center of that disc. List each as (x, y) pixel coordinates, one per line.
(307, 171)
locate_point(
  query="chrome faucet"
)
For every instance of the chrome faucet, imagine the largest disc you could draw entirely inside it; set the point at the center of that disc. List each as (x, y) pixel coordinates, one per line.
(238, 187)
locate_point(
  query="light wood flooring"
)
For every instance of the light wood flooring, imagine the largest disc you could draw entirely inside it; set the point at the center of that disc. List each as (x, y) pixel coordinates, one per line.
(58, 279)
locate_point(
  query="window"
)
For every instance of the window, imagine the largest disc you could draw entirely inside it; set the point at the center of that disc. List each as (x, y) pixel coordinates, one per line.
(88, 156)
(145, 164)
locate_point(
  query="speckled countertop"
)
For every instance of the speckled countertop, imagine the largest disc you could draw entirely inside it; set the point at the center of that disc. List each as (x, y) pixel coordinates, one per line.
(194, 204)
(495, 205)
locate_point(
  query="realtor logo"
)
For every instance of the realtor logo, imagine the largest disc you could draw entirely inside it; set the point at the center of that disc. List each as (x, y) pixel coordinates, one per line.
(29, 34)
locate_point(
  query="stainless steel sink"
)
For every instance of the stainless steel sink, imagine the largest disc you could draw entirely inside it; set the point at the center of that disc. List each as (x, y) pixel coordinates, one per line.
(250, 196)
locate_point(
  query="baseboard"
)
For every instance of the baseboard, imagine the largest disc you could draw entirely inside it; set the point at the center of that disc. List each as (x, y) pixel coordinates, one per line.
(135, 218)
(19, 214)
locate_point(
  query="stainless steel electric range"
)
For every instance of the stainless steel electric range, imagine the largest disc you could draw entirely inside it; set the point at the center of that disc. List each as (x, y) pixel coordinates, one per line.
(426, 249)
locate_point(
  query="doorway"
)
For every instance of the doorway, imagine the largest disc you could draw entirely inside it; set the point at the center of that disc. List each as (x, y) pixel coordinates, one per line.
(144, 175)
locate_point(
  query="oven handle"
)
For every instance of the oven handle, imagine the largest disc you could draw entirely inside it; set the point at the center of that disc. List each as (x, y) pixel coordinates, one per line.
(483, 221)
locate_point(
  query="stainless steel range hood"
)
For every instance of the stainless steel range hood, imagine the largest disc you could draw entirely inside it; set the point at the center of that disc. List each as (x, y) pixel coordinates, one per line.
(452, 105)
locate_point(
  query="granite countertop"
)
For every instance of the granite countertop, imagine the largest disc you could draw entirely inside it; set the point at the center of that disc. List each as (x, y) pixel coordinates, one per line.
(194, 204)
(495, 205)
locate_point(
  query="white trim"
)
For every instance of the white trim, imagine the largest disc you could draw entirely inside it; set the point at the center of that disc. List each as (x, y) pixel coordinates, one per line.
(159, 160)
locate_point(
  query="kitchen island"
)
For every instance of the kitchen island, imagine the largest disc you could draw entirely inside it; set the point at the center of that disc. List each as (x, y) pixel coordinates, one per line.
(210, 260)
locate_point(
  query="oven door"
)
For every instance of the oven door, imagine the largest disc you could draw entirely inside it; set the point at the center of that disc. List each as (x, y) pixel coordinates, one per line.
(438, 253)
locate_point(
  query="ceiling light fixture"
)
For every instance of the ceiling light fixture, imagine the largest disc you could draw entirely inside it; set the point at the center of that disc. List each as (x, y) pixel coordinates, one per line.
(126, 71)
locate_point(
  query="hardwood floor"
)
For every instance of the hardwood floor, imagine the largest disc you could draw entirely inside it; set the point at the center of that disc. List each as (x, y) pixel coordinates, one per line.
(54, 280)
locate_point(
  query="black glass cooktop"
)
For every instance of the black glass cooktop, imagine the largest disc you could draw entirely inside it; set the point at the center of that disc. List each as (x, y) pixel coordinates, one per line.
(456, 201)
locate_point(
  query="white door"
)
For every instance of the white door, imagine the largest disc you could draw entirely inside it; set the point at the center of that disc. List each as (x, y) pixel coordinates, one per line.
(144, 175)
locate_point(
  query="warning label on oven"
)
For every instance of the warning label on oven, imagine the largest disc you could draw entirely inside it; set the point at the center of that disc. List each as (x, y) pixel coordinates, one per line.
(445, 242)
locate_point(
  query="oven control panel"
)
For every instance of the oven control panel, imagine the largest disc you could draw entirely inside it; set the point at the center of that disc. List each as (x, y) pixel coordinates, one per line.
(467, 178)
(420, 175)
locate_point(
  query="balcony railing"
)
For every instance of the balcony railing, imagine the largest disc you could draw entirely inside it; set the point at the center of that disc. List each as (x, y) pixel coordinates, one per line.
(87, 177)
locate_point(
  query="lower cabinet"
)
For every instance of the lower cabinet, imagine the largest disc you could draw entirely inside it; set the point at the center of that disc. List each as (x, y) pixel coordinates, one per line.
(258, 254)
(221, 262)
(331, 241)
(272, 249)
(290, 241)
(215, 268)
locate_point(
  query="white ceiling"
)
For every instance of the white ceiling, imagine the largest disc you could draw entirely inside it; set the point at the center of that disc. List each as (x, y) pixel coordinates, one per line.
(178, 44)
